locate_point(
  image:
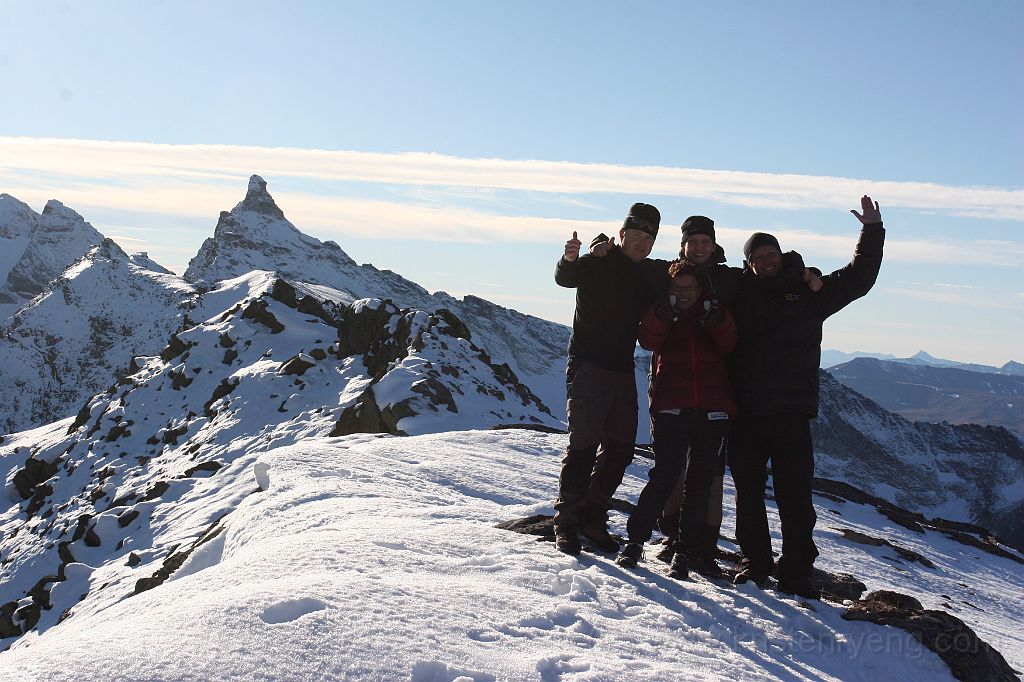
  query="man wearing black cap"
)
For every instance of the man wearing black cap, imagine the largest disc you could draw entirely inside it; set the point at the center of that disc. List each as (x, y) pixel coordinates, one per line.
(774, 371)
(612, 295)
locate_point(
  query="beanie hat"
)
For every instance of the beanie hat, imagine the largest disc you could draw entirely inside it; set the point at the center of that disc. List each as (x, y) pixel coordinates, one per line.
(757, 240)
(643, 217)
(698, 224)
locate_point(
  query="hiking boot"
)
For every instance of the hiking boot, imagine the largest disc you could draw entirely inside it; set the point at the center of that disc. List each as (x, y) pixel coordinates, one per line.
(752, 575)
(666, 553)
(800, 586)
(631, 554)
(567, 540)
(598, 536)
(705, 566)
(679, 569)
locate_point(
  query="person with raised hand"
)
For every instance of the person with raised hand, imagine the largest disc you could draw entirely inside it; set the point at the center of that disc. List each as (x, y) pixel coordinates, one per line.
(780, 310)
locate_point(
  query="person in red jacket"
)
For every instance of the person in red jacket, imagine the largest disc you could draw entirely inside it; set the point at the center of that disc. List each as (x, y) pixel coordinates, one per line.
(691, 404)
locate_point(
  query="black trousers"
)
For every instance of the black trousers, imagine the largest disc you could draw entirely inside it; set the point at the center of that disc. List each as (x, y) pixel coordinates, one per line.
(688, 445)
(785, 441)
(602, 414)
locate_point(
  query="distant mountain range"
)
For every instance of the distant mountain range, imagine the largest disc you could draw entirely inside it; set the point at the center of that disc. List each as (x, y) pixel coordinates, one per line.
(831, 358)
(925, 392)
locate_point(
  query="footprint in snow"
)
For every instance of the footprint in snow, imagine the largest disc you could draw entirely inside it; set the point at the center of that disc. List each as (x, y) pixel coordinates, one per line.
(290, 610)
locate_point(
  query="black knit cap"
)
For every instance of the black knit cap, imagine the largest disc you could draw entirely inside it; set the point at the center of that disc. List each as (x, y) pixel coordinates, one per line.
(757, 240)
(643, 217)
(698, 224)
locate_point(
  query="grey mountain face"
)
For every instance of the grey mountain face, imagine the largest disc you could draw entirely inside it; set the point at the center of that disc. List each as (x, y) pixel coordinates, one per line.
(79, 336)
(57, 238)
(938, 394)
(960, 472)
(255, 235)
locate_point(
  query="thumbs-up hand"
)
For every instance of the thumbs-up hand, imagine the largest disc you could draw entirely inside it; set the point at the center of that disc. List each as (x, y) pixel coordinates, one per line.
(572, 248)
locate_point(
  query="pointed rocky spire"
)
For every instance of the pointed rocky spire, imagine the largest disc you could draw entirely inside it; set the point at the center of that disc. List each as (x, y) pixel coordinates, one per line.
(258, 199)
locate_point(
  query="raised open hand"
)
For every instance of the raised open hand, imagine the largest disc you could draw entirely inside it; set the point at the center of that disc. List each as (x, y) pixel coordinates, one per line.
(870, 214)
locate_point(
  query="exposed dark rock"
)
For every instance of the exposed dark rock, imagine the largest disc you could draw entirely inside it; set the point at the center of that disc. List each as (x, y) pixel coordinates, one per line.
(968, 657)
(7, 626)
(229, 356)
(127, 517)
(364, 416)
(175, 347)
(157, 490)
(179, 380)
(297, 364)
(133, 560)
(225, 387)
(175, 560)
(210, 466)
(170, 436)
(452, 325)
(864, 539)
(530, 427)
(80, 419)
(283, 292)
(311, 306)
(32, 474)
(436, 392)
(318, 354)
(257, 312)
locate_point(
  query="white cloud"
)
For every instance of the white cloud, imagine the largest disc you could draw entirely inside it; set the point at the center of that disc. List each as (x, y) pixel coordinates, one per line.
(164, 163)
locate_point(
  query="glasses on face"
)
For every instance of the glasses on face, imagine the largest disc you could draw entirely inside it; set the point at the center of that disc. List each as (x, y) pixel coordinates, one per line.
(687, 289)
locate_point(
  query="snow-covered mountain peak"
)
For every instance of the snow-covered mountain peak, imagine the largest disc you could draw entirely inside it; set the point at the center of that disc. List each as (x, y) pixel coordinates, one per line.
(56, 210)
(59, 237)
(16, 218)
(255, 235)
(257, 199)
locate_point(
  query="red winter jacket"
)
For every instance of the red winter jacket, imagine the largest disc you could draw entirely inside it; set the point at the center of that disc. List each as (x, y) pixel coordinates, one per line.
(688, 368)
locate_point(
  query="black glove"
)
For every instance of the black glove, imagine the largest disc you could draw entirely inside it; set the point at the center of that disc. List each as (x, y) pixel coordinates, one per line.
(713, 317)
(666, 312)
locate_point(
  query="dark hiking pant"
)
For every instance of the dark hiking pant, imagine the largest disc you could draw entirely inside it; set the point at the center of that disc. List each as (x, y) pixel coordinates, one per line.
(686, 446)
(785, 441)
(669, 521)
(602, 414)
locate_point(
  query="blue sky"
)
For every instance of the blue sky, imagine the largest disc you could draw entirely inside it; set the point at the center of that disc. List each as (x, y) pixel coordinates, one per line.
(460, 143)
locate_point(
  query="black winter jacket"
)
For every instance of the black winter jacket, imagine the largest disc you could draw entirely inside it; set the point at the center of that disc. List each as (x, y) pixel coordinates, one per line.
(774, 368)
(612, 295)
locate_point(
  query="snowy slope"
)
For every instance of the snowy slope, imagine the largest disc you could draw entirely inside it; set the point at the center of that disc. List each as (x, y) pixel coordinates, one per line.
(272, 369)
(255, 235)
(373, 557)
(79, 336)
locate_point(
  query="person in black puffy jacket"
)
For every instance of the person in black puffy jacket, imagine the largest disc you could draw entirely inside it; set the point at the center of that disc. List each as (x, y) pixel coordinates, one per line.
(779, 314)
